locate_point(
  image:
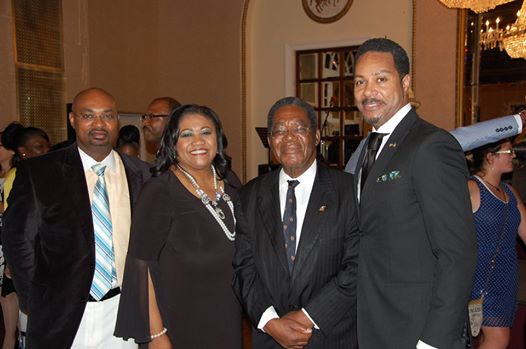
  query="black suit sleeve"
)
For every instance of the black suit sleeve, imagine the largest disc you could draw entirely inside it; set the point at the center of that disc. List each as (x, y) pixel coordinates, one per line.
(247, 284)
(440, 182)
(19, 233)
(338, 297)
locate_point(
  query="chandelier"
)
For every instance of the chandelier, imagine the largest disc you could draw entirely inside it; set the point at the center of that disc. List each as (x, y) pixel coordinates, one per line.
(477, 6)
(493, 37)
(514, 40)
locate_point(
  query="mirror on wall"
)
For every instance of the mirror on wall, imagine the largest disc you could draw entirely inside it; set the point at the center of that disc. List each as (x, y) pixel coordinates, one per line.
(493, 83)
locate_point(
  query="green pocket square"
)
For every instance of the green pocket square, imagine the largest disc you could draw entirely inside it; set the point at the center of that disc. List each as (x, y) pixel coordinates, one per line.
(391, 176)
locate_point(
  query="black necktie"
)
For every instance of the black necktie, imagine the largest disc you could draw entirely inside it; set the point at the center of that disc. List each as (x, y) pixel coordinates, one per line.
(289, 224)
(375, 140)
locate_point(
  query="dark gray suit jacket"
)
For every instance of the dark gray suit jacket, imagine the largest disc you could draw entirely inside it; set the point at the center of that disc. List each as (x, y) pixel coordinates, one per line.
(418, 246)
(48, 242)
(323, 280)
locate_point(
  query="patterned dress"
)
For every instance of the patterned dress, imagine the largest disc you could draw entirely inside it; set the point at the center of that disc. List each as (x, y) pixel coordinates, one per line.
(496, 275)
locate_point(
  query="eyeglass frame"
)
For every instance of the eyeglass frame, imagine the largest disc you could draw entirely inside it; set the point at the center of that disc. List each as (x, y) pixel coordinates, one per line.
(90, 117)
(297, 131)
(149, 117)
(509, 152)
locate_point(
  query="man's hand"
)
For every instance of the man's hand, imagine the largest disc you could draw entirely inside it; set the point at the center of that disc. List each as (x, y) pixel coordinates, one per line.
(522, 114)
(300, 317)
(288, 333)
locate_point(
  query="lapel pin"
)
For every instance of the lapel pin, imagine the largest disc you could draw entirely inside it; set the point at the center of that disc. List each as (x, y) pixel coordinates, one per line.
(392, 145)
(322, 208)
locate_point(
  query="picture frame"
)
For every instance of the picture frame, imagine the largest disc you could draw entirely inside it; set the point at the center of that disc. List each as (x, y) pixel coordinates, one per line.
(326, 11)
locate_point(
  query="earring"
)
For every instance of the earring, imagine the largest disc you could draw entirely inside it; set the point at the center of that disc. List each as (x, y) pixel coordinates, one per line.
(23, 155)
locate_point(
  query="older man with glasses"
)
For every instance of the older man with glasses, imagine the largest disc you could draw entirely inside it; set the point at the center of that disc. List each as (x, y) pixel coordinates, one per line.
(156, 118)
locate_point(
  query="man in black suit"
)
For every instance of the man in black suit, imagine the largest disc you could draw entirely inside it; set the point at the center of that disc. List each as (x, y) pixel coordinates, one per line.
(297, 240)
(50, 234)
(418, 246)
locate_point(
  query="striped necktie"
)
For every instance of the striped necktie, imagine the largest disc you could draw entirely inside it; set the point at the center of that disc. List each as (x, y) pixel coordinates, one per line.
(105, 272)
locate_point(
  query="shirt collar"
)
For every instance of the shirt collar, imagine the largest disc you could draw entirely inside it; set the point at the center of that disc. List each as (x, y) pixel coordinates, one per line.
(391, 124)
(306, 177)
(88, 161)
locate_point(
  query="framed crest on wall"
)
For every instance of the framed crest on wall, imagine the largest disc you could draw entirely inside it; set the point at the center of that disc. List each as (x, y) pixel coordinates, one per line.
(326, 11)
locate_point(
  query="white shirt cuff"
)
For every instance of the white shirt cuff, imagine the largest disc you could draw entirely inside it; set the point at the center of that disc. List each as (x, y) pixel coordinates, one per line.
(268, 315)
(422, 345)
(519, 123)
(307, 315)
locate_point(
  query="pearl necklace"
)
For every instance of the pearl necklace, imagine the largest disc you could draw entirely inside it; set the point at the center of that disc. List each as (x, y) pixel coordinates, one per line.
(211, 205)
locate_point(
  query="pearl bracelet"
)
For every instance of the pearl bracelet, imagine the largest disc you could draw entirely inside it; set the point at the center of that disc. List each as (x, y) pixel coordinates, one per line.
(157, 335)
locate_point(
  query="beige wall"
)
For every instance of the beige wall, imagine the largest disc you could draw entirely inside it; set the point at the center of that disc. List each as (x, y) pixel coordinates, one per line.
(191, 50)
(8, 107)
(434, 63)
(277, 25)
(139, 50)
(200, 62)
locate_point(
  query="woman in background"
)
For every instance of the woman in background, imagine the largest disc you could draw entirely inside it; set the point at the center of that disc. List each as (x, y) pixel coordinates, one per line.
(177, 285)
(499, 215)
(25, 143)
(9, 302)
(129, 140)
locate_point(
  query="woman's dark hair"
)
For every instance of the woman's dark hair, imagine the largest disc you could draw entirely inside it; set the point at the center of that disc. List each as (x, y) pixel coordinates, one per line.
(167, 155)
(129, 134)
(28, 132)
(9, 138)
(15, 135)
(479, 155)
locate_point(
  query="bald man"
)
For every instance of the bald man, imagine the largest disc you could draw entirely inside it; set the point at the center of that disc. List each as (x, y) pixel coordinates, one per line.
(60, 205)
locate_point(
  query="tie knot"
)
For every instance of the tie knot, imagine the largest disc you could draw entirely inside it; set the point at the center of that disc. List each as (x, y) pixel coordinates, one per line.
(293, 183)
(99, 169)
(375, 139)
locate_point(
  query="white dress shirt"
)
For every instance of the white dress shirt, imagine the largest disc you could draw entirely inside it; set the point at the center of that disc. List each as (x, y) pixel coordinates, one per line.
(302, 193)
(386, 129)
(119, 200)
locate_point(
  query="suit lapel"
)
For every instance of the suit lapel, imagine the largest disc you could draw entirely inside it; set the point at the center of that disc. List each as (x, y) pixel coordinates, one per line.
(269, 209)
(73, 171)
(321, 197)
(391, 147)
(133, 177)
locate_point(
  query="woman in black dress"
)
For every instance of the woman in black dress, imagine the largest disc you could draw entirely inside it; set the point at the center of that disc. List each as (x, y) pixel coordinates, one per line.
(176, 291)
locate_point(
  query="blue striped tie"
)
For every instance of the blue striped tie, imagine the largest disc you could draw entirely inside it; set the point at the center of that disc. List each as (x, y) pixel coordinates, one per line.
(289, 224)
(105, 272)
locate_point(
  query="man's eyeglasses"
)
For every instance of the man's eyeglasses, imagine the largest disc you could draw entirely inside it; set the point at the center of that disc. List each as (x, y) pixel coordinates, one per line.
(151, 117)
(280, 132)
(93, 116)
(509, 152)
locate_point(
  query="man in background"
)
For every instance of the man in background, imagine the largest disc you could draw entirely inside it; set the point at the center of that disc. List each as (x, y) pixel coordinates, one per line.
(156, 118)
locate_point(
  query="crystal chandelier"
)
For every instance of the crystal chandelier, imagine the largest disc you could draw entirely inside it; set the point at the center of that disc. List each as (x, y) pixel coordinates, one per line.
(477, 6)
(492, 37)
(514, 40)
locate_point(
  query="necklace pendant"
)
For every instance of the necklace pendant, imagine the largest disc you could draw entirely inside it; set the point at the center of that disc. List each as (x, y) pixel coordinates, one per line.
(219, 212)
(204, 199)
